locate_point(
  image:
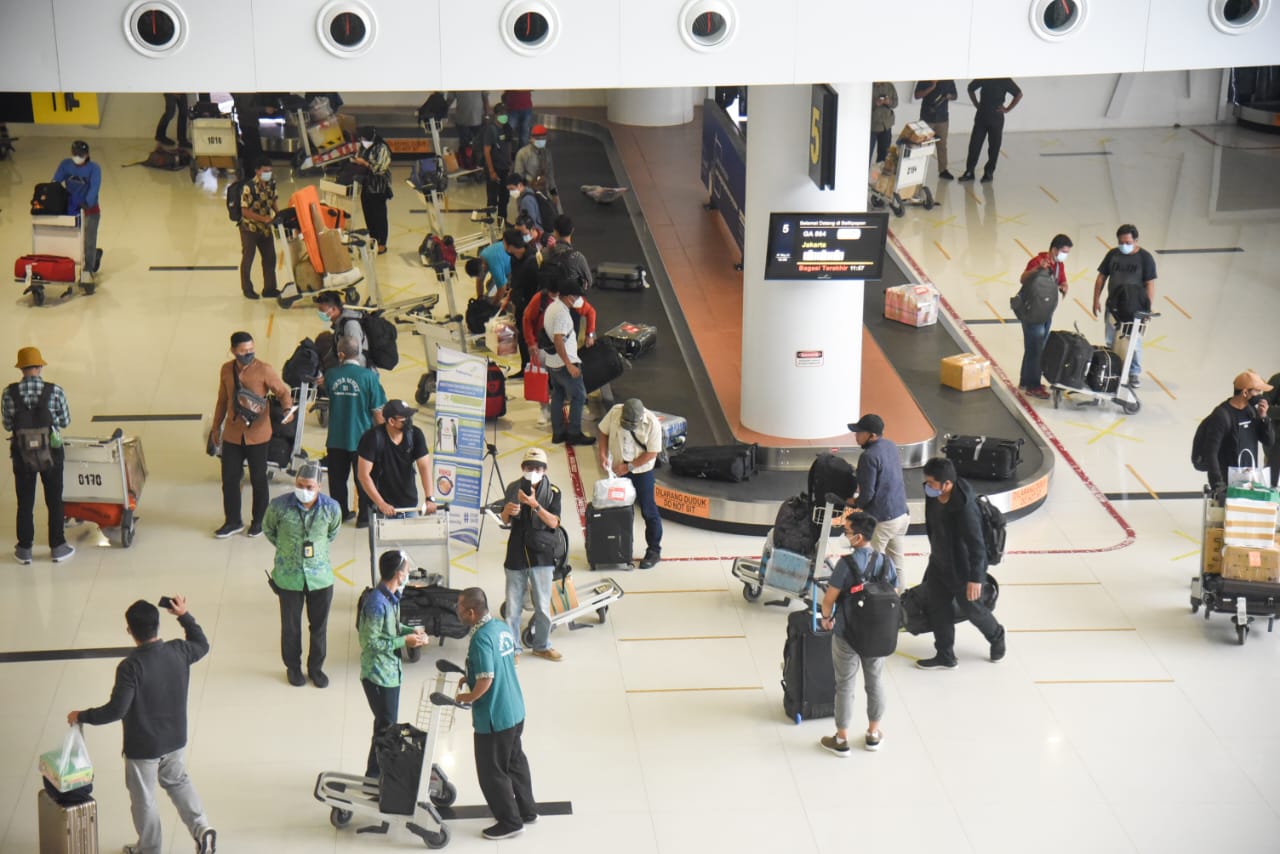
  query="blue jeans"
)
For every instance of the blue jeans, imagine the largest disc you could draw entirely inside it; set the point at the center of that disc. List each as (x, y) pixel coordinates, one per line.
(1135, 367)
(1034, 336)
(565, 386)
(643, 483)
(518, 580)
(521, 123)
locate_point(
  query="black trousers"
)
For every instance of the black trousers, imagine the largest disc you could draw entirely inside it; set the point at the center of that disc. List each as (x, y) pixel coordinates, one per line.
(342, 466)
(497, 194)
(503, 773)
(234, 458)
(880, 142)
(941, 594)
(985, 127)
(385, 705)
(24, 483)
(374, 206)
(174, 102)
(252, 242)
(317, 603)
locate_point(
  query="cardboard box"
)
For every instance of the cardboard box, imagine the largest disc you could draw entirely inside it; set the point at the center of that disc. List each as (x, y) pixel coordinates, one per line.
(916, 132)
(914, 305)
(966, 372)
(563, 596)
(1250, 523)
(1213, 546)
(1252, 564)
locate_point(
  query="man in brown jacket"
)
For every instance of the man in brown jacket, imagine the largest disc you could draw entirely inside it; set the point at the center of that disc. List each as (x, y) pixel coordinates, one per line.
(243, 433)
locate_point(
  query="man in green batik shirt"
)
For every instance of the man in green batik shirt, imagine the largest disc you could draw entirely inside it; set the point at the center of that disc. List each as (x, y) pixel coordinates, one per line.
(301, 525)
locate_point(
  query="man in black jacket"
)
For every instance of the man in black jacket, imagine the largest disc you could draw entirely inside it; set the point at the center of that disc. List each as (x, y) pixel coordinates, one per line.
(150, 697)
(1238, 424)
(957, 564)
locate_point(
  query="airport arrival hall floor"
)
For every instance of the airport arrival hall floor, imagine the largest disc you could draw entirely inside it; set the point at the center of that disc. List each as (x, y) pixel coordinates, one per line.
(1117, 723)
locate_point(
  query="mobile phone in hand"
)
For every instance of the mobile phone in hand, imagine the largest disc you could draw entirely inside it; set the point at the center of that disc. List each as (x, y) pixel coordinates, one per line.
(165, 603)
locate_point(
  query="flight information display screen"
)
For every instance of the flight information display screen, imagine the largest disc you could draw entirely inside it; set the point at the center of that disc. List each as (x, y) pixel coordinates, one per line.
(826, 245)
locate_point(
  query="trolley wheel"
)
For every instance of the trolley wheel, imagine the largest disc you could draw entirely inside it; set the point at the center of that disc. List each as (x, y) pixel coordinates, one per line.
(437, 840)
(526, 636)
(127, 523)
(928, 198)
(351, 295)
(37, 295)
(1057, 398)
(751, 592)
(339, 817)
(1195, 605)
(1242, 632)
(1131, 408)
(895, 205)
(602, 613)
(448, 794)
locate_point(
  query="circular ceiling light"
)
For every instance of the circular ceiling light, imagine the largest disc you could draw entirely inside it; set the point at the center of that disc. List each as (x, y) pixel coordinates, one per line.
(529, 27)
(1053, 20)
(1234, 17)
(346, 28)
(155, 28)
(707, 24)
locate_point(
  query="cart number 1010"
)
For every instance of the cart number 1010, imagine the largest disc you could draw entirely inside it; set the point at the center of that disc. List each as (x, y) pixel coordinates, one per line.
(90, 479)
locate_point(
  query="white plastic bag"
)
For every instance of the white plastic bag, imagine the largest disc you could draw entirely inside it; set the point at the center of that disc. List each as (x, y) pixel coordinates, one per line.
(614, 492)
(1248, 471)
(69, 767)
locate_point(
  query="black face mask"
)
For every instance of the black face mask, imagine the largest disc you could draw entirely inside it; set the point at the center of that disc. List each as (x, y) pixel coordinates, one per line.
(245, 359)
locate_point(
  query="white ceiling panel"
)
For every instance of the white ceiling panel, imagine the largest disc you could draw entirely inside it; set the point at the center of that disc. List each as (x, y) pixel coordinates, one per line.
(1181, 34)
(840, 40)
(1109, 39)
(29, 47)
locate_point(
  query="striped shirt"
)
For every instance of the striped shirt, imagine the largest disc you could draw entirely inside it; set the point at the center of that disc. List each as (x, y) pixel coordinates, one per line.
(29, 389)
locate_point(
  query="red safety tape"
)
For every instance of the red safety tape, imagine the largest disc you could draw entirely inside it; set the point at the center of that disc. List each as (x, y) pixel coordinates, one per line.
(579, 496)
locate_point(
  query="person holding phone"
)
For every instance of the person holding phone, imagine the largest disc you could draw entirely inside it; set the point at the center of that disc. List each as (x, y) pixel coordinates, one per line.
(532, 509)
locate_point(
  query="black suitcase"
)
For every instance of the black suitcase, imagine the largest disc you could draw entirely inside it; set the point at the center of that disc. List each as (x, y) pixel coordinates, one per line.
(49, 200)
(609, 537)
(983, 457)
(1065, 359)
(731, 463)
(434, 608)
(808, 681)
(616, 276)
(1104, 370)
(401, 750)
(915, 618)
(632, 339)
(601, 365)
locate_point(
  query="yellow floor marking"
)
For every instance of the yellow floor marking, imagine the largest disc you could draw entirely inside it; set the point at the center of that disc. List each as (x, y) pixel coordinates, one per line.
(1195, 553)
(1184, 312)
(687, 638)
(1079, 274)
(1056, 631)
(988, 304)
(982, 280)
(1186, 536)
(687, 690)
(338, 574)
(1156, 343)
(693, 590)
(969, 192)
(1105, 244)
(1105, 431)
(943, 251)
(1084, 307)
(939, 223)
(1164, 387)
(271, 321)
(1049, 143)
(1003, 153)
(1145, 485)
(1030, 254)
(1047, 193)
(1104, 140)
(1169, 136)
(1102, 681)
(315, 453)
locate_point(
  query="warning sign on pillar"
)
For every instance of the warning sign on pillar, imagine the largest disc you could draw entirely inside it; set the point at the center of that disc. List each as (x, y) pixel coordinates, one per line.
(808, 358)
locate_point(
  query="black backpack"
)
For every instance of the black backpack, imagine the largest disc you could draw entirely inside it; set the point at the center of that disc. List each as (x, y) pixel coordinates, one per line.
(872, 611)
(831, 475)
(380, 340)
(303, 365)
(793, 527)
(994, 531)
(32, 430)
(1125, 301)
(435, 107)
(546, 209)
(479, 312)
(1201, 455)
(235, 191)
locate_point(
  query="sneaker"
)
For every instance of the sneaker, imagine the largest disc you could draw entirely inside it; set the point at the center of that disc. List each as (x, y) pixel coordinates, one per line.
(544, 417)
(549, 654)
(580, 439)
(836, 745)
(255, 530)
(651, 559)
(1135, 381)
(967, 176)
(132, 849)
(530, 819)
(207, 842)
(938, 662)
(1038, 392)
(318, 677)
(946, 176)
(871, 741)
(228, 529)
(998, 649)
(557, 439)
(271, 294)
(63, 552)
(250, 294)
(296, 679)
(501, 831)
(164, 140)
(22, 556)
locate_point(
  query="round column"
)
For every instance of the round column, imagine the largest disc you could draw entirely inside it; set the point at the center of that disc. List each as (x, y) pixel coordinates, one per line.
(651, 107)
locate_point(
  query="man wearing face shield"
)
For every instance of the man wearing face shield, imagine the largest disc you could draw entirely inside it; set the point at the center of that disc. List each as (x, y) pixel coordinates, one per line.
(83, 179)
(374, 161)
(301, 525)
(533, 161)
(532, 509)
(244, 433)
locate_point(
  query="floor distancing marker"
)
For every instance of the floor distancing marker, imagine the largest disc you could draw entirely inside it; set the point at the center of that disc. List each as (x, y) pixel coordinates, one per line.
(1105, 431)
(1047, 193)
(271, 321)
(1156, 343)
(1145, 485)
(1016, 219)
(1178, 307)
(1030, 254)
(1083, 307)
(1189, 538)
(969, 192)
(338, 574)
(982, 280)
(940, 223)
(1105, 244)
(988, 304)
(943, 251)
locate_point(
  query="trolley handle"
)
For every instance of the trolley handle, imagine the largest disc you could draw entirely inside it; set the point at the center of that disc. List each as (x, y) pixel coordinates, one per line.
(397, 510)
(119, 434)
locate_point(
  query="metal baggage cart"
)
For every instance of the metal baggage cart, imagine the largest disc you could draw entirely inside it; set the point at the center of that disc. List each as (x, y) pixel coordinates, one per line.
(213, 145)
(62, 236)
(1243, 600)
(352, 796)
(903, 181)
(754, 574)
(597, 597)
(1128, 337)
(102, 482)
(423, 539)
(291, 292)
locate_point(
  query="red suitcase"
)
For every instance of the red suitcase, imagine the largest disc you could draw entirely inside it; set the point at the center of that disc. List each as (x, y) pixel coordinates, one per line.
(45, 268)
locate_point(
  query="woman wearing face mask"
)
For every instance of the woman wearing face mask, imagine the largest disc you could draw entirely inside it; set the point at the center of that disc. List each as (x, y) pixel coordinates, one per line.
(301, 525)
(1034, 335)
(83, 179)
(374, 161)
(244, 434)
(532, 510)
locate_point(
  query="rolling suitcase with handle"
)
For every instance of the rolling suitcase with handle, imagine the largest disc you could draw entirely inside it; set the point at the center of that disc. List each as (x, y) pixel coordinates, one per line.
(808, 680)
(609, 536)
(983, 457)
(1066, 358)
(631, 339)
(67, 829)
(617, 276)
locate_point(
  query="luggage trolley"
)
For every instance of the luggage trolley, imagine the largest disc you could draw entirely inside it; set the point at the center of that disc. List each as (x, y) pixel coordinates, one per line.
(1113, 387)
(102, 481)
(903, 174)
(598, 597)
(424, 539)
(213, 145)
(352, 795)
(63, 237)
(792, 575)
(1243, 600)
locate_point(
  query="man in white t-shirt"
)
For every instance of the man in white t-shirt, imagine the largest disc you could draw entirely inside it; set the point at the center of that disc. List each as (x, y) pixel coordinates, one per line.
(565, 368)
(634, 440)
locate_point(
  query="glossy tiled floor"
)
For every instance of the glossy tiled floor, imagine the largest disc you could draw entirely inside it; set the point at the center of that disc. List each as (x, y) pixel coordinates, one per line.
(1118, 722)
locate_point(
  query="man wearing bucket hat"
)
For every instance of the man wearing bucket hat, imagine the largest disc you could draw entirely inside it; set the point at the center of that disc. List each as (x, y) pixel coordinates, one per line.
(34, 411)
(633, 437)
(532, 509)
(1236, 426)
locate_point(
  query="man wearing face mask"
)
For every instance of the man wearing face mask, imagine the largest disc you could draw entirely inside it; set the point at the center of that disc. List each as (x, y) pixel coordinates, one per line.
(244, 434)
(496, 143)
(356, 399)
(523, 279)
(301, 525)
(534, 163)
(957, 564)
(258, 206)
(345, 323)
(1034, 335)
(565, 368)
(526, 199)
(83, 179)
(1237, 425)
(374, 161)
(391, 454)
(532, 510)
(1129, 272)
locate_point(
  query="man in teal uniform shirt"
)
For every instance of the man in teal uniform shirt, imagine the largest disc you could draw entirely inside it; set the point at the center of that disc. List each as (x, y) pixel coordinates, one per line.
(356, 399)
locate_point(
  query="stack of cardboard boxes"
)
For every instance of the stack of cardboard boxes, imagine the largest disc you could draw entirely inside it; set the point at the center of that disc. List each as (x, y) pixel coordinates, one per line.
(914, 305)
(1246, 547)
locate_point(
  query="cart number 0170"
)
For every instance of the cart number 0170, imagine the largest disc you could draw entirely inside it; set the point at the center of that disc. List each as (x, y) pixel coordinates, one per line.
(90, 479)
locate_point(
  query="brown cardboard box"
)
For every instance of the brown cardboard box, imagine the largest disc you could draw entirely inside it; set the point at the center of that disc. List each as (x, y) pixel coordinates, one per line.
(966, 372)
(1213, 551)
(916, 132)
(1251, 564)
(563, 596)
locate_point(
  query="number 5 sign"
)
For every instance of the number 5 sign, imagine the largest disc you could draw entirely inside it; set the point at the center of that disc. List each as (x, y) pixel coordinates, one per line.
(822, 137)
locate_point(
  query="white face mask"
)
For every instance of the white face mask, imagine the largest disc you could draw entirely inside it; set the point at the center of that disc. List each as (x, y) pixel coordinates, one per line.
(79, 161)
(266, 177)
(1062, 257)
(539, 143)
(527, 238)
(534, 477)
(365, 143)
(1126, 248)
(306, 496)
(577, 302)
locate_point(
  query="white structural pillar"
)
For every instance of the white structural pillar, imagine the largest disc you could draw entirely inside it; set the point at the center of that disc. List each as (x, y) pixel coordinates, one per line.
(783, 394)
(651, 107)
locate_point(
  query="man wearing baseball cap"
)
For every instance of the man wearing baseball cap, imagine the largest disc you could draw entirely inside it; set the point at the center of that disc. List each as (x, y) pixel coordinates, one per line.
(533, 161)
(1237, 425)
(83, 179)
(632, 442)
(881, 493)
(389, 453)
(532, 509)
(34, 411)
